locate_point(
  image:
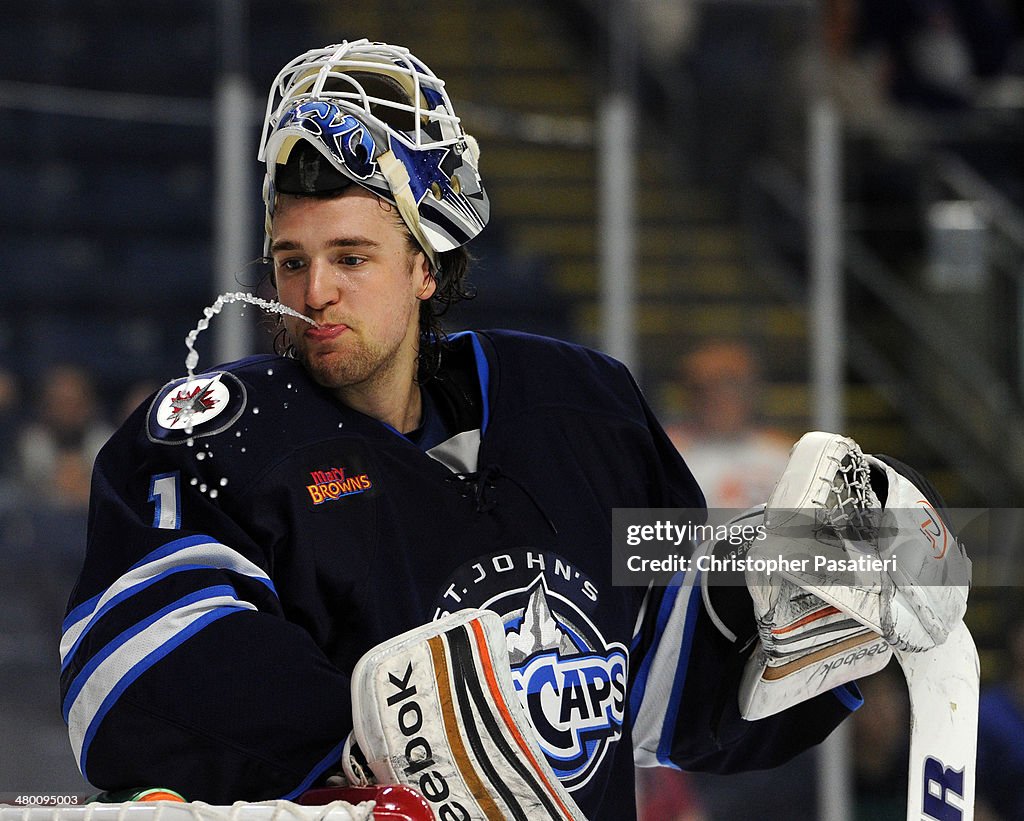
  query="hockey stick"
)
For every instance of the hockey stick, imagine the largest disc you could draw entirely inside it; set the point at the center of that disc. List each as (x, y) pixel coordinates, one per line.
(943, 683)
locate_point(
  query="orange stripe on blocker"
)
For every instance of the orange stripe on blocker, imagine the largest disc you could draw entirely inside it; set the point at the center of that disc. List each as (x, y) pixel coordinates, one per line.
(818, 614)
(492, 683)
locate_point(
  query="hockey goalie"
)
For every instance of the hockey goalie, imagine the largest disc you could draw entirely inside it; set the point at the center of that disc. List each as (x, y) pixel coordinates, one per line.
(383, 553)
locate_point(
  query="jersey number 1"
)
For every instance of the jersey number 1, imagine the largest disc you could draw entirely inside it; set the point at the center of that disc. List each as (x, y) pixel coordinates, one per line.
(164, 494)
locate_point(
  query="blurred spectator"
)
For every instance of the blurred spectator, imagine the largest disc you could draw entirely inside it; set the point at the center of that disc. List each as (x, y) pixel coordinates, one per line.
(664, 794)
(881, 740)
(668, 30)
(1001, 733)
(930, 55)
(135, 395)
(10, 418)
(736, 459)
(50, 443)
(937, 51)
(60, 438)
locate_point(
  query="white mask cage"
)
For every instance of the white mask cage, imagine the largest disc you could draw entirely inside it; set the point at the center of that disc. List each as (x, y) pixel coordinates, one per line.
(408, 147)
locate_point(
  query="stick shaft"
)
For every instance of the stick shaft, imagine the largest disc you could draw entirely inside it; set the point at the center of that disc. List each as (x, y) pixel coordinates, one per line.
(943, 684)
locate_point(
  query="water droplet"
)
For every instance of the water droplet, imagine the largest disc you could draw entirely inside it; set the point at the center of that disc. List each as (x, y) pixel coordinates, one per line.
(289, 386)
(190, 441)
(194, 481)
(286, 404)
(192, 359)
(341, 424)
(223, 482)
(238, 434)
(213, 493)
(255, 410)
(243, 450)
(201, 455)
(270, 371)
(202, 488)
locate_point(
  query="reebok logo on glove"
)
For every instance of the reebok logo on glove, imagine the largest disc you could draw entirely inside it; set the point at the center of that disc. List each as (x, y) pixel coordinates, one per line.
(880, 646)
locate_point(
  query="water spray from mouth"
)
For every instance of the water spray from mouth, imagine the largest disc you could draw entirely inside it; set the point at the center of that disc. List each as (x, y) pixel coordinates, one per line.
(192, 359)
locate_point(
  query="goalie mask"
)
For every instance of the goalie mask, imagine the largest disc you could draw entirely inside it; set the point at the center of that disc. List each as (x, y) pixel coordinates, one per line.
(372, 114)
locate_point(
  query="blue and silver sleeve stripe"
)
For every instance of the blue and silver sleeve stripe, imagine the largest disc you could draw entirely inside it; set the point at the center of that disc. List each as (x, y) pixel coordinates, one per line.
(657, 696)
(193, 552)
(110, 671)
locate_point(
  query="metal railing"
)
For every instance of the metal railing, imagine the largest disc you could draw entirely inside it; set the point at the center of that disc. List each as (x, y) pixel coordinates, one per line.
(957, 402)
(1003, 224)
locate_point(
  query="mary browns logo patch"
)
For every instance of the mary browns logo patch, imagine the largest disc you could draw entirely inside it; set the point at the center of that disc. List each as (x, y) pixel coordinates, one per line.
(335, 483)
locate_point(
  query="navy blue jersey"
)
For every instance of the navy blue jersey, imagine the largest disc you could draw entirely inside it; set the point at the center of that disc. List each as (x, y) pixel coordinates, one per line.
(250, 538)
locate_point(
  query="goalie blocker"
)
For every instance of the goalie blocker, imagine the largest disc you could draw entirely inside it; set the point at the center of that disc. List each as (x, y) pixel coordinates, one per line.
(435, 709)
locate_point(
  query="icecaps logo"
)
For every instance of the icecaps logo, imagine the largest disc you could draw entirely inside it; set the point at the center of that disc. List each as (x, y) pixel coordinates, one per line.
(570, 683)
(333, 484)
(569, 678)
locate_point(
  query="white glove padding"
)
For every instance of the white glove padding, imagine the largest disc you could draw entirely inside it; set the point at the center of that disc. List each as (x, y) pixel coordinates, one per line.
(894, 568)
(806, 646)
(435, 709)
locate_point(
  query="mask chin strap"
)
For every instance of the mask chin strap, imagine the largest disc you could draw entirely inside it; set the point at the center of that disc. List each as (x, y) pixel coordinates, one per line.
(268, 213)
(398, 180)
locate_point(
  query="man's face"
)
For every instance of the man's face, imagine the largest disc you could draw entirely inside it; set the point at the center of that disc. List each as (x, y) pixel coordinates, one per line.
(346, 262)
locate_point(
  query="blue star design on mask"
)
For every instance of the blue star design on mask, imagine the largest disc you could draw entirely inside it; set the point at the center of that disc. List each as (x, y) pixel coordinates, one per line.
(424, 167)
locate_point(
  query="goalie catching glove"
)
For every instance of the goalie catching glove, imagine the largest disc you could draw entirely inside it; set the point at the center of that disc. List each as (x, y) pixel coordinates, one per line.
(850, 569)
(435, 709)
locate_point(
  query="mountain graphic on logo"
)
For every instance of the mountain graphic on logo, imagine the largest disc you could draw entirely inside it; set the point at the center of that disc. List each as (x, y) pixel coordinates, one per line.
(539, 630)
